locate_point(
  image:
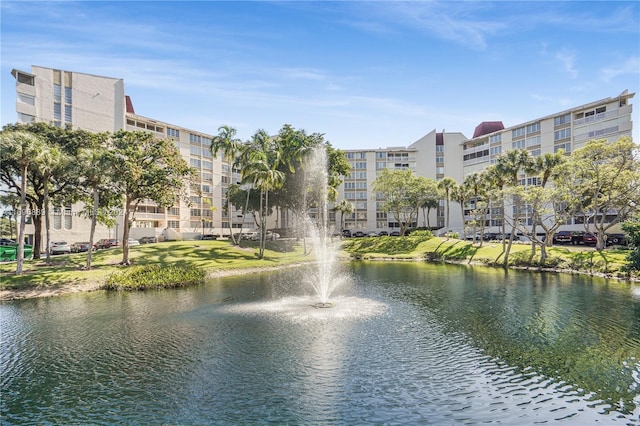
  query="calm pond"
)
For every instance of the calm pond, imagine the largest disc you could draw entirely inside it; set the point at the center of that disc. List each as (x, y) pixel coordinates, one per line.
(404, 343)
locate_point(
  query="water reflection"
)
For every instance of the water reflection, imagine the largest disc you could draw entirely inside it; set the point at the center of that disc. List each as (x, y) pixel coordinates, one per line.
(405, 344)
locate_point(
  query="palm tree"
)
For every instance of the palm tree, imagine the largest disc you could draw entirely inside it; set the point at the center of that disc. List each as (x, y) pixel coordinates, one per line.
(49, 161)
(474, 184)
(97, 167)
(546, 166)
(26, 148)
(510, 165)
(447, 185)
(260, 161)
(343, 207)
(230, 145)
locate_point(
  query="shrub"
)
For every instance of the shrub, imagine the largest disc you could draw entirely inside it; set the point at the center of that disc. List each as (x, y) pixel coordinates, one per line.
(155, 276)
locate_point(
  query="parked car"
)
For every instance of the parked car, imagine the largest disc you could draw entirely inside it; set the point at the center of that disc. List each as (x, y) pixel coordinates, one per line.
(59, 247)
(81, 247)
(394, 233)
(346, 233)
(208, 237)
(358, 234)
(372, 234)
(383, 234)
(563, 237)
(7, 242)
(107, 243)
(147, 240)
(617, 239)
(133, 242)
(589, 238)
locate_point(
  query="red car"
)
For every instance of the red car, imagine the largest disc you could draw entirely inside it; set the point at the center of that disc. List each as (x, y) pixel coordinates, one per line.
(107, 243)
(589, 239)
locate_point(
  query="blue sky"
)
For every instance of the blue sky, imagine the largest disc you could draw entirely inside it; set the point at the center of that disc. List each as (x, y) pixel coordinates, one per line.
(366, 74)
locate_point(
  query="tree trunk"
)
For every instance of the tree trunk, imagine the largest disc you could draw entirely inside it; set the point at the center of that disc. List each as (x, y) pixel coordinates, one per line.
(47, 221)
(23, 207)
(94, 219)
(125, 233)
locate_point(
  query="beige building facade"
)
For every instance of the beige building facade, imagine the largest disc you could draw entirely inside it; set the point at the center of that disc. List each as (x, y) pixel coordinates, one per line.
(99, 104)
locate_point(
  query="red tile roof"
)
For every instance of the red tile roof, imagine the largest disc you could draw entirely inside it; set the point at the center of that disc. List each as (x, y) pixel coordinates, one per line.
(129, 105)
(487, 127)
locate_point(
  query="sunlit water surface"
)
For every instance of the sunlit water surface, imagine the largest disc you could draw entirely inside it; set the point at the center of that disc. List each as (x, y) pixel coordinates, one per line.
(403, 344)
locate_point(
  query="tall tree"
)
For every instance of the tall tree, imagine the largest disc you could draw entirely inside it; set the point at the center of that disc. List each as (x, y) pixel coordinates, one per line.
(50, 160)
(260, 167)
(344, 207)
(227, 142)
(146, 168)
(101, 195)
(24, 148)
(447, 185)
(607, 176)
(474, 184)
(402, 197)
(510, 165)
(428, 194)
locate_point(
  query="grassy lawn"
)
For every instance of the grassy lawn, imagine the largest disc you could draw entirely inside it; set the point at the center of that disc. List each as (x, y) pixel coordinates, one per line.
(220, 256)
(212, 256)
(575, 258)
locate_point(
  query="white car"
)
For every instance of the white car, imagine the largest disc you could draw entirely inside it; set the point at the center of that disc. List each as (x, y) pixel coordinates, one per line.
(59, 247)
(133, 242)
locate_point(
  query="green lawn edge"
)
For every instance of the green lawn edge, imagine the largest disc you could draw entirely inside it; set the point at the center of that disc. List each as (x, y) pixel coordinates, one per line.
(221, 257)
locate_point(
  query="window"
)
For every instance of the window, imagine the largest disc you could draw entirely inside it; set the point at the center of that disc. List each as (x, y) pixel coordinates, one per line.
(175, 133)
(361, 195)
(194, 150)
(68, 218)
(361, 175)
(565, 146)
(563, 119)
(57, 93)
(195, 212)
(381, 155)
(25, 118)
(67, 113)
(206, 188)
(439, 159)
(361, 185)
(195, 138)
(439, 148)
(174, 211)
(533, 128)
(67, 95)
(562, 134)
(57, 218)
(495, 138)
(518, 144)
(207, 165)
(194, 199)
(350, 155)
(380, 164)
(533, 141)
(26, 99)
(361, 165)
(515, 133)
(496, 150)
(439, 170)
(57, 111)
(361, 205)
(194, 162)
(349, 185)
(26, 79)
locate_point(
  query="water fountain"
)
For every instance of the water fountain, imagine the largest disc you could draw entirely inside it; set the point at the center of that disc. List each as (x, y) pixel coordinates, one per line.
(325, 278)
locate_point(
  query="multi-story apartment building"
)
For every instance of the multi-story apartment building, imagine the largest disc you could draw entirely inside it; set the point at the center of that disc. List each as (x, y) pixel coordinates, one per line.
(98, 103)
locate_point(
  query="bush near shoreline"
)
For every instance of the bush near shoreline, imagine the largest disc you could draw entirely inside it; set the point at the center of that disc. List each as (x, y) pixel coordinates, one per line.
(221, 257)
